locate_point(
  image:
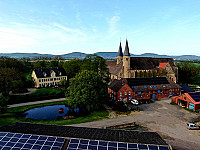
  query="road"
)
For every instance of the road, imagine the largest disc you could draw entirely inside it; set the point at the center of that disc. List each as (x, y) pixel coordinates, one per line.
(161, 117)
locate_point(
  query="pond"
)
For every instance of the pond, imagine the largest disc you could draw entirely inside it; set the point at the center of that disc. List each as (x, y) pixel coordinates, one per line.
(52, 112)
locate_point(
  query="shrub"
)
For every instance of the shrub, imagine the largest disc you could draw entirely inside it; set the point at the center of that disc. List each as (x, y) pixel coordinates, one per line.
(3, 104)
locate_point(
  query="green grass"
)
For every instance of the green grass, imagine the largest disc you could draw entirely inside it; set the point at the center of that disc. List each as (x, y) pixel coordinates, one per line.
(13, 115)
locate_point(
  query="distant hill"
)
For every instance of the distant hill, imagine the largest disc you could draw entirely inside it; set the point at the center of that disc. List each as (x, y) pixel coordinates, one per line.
(106, 55)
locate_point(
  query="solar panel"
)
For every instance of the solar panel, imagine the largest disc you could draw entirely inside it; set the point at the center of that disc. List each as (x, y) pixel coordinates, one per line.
(195, 96)
(17, 141)
(76, 144)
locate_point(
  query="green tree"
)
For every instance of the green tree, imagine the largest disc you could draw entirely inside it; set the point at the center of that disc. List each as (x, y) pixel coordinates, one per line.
(53, 64)
(63, 84)
(97, 64)
(40, 64)
(188, 73)
(10, 80)
(3, 104)
(72, 67)
(87, 90)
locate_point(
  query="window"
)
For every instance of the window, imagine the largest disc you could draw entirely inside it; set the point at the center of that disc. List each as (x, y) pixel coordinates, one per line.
(150, 86)
(158, 91)
(129, 93)
(164, 85)
(125, 88)
(155, 86)
(129, 98)
(147, 95)
(125, 93)
(135, 87)
(139, 92)
(120, 93)
(120, 99)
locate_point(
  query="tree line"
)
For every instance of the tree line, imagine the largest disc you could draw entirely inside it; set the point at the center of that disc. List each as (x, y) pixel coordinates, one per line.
(15, 76)
(188, 73)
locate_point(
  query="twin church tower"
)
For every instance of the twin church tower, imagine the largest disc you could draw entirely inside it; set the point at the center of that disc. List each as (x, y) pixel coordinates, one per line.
(125, 59)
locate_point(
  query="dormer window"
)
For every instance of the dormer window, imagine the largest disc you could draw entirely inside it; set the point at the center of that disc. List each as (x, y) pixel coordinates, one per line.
(44, 74)
(52, 74)
(60, 73)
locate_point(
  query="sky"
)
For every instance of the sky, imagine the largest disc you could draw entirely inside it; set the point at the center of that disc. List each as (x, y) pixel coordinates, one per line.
(170, 27)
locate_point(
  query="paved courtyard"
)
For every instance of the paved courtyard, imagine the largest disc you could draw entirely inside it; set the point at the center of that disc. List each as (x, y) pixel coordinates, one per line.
(161, 117)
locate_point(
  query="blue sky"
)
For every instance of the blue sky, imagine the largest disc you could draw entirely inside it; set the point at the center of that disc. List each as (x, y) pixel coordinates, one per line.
(169, 27)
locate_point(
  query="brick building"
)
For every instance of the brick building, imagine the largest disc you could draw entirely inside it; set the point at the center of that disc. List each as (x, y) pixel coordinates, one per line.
(189, 100)
(127, 89)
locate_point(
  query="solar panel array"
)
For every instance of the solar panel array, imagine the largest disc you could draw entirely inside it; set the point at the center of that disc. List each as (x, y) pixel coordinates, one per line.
(17, 141)
(77, 144)
(195, 96)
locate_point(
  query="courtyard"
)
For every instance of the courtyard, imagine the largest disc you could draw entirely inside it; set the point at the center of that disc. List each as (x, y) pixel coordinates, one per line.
(161, 117)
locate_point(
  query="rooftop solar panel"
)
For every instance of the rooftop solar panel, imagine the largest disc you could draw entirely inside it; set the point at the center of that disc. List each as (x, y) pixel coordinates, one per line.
(195, 96)
(26, 142)
(76, 144)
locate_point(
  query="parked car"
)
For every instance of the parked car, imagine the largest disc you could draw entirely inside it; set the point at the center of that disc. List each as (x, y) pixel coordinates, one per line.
(134, 102)
(192, 126)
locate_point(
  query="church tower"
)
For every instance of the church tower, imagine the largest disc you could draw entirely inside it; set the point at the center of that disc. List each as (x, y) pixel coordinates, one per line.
(126, 61)
(120, 54)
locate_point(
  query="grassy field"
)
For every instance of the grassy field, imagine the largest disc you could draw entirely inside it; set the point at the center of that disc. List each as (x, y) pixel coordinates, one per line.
(14, 115)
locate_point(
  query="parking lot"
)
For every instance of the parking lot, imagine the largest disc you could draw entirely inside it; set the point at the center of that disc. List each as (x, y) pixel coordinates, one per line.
(170, 121)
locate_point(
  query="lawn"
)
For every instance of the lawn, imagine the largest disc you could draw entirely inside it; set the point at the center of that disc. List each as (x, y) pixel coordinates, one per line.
(13, 115)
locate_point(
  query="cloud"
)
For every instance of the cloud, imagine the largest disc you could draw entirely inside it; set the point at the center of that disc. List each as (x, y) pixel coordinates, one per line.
(10, 39)
(113, 25)
(70, 30)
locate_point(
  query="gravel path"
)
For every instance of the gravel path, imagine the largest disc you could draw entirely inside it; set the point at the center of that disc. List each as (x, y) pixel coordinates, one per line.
(161, 117)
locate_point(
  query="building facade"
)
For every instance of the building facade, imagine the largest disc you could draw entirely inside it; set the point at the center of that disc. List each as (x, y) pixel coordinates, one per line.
(48, 77)
(135, 67)
(127, 89)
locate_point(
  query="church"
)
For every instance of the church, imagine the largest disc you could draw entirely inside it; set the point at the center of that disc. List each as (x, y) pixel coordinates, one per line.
(141, 67)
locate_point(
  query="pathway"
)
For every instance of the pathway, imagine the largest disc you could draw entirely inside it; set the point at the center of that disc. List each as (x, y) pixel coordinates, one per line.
(36, 102)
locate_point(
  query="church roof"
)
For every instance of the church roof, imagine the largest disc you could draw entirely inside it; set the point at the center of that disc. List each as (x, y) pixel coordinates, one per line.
(120, 50)
(113, 67)
(126, 52)
(146, 63)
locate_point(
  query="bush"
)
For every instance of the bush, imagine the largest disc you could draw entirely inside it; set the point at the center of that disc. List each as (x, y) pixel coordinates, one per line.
(3, 104)
(120, 106)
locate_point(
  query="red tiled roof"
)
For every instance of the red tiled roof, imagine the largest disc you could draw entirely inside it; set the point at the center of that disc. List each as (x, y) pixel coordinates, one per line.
(162, 65)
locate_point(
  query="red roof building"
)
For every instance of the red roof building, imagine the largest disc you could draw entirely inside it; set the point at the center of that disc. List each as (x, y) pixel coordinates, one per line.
(189, 100)
(127, 89)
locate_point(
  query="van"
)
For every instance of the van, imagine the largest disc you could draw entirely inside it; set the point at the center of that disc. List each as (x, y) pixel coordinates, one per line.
(192, 126)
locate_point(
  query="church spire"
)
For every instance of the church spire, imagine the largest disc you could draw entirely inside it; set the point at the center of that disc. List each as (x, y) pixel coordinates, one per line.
(120, 50)
(126, 52)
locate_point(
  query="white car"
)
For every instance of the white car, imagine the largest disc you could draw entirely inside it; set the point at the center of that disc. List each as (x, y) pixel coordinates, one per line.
(134, 102)
(193, 126)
